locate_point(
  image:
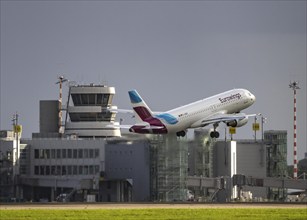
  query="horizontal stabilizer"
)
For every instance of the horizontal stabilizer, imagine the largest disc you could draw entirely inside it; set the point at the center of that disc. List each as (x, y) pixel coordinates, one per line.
(142, 126)
(119, 126)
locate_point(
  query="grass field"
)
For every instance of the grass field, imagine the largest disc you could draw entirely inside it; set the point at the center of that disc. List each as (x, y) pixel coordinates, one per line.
(135, 214)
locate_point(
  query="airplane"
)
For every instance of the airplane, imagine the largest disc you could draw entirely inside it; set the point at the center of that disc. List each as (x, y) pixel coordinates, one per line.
(224, 107)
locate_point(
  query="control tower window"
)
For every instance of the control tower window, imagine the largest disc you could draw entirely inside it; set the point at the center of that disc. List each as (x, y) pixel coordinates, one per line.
(105, 100)
(91, 99)
(76, 99)
(85, 99)
(99, 99)
(92, 116)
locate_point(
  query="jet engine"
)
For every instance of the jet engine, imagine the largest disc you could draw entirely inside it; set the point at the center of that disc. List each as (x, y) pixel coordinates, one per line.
(238, 123)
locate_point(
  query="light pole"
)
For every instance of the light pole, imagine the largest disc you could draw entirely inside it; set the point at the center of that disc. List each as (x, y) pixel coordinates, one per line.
(16, 154)
(256, 126)
(263, 120)
(294, 86)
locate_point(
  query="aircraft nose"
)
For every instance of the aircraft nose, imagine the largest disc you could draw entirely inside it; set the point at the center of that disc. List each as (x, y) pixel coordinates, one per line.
(253, 98)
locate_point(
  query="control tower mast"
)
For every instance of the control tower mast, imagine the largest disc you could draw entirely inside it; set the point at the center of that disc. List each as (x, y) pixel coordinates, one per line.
(60, 82)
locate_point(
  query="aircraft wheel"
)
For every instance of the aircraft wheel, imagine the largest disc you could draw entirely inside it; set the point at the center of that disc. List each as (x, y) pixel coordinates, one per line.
(180, 134)
(217, 135)
(214, 134)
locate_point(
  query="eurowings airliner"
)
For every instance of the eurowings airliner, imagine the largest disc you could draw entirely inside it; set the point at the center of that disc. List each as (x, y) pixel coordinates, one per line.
(225, 107)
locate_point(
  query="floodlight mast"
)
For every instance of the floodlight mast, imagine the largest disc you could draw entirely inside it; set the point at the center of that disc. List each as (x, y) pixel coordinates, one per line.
(60, 82)
(294, 86)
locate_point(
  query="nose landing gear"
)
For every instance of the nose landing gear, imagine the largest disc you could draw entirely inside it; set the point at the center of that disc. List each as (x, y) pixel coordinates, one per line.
(214, 133)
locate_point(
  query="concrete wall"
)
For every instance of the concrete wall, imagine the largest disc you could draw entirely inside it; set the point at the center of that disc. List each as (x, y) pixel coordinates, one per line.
(48, 116)
(250, 161)
(44, 159)
(130, 162)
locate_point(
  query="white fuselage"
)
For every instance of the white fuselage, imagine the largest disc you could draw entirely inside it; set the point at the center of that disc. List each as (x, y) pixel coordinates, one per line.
(194, 114)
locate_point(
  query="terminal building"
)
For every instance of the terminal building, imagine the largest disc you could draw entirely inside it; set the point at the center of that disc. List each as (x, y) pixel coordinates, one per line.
(91, 161)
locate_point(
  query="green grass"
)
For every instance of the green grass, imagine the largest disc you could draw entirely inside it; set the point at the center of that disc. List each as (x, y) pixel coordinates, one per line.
(208, 213)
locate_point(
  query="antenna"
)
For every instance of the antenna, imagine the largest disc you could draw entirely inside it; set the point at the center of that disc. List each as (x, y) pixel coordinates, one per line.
(294, 86)
(60, 82)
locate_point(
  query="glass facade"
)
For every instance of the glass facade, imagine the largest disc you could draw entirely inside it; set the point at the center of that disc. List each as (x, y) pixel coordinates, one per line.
(51, 167)
(53, 170)
(103, 116)
(66, 153)
(103, 100)
(276, 157)
(169, 168)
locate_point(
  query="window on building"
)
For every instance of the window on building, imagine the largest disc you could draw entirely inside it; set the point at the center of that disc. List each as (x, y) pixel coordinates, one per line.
(80, 153)
(105, 100)
(64, 153)
(64, 171)
(80, 170)
(69, 170)
(58, 171)
(91, 170)
(96, 153)
(69, 153)
(36, 154)
(99, 99)
(58, 153)
(53, 170)
(41, 170)
(42, 154)
(47, 170)
(36, 170)
(85, 170)
(23, 154)
(85, 153)
(76, 99)
(75, 153)
(91, 153)
(48, 153)
(92, 99)
(75, 170)
(53, 153)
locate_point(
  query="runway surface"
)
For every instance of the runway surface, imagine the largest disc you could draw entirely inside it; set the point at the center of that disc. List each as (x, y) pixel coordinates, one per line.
(148, 205)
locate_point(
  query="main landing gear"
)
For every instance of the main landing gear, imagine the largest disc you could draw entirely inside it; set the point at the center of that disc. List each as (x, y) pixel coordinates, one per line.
(180, 133)
(214, 133)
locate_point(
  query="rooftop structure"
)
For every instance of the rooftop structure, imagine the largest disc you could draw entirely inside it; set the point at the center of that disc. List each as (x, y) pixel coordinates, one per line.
(89, 112)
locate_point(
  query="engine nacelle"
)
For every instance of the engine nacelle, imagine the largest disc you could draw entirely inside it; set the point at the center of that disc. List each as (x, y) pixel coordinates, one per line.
(238, 123)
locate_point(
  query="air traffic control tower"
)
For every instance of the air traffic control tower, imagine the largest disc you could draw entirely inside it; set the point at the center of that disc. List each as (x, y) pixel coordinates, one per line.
(90, 112)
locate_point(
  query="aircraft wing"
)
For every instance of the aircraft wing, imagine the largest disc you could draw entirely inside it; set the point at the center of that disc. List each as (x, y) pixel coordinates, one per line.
(217, 118)
(144, 126)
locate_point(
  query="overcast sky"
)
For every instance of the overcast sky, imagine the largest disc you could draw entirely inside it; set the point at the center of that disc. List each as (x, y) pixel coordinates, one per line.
(172, 52)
